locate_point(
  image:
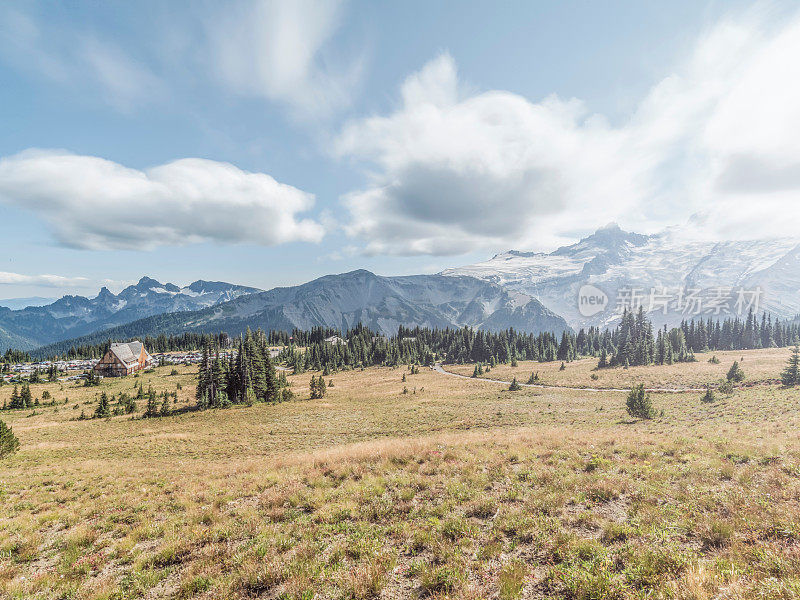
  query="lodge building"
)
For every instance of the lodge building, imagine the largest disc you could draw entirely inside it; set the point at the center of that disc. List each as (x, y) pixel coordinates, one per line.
(123, 359)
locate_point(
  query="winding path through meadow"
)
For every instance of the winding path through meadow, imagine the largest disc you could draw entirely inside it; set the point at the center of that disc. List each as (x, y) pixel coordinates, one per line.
(675, 390)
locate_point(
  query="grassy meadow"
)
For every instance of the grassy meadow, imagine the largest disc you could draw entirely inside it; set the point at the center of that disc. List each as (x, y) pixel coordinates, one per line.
(758, 365)
(435, 487)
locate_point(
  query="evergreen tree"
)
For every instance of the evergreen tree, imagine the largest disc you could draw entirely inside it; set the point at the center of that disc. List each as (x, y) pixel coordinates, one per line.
(165, 410)
(791, 374)
(249, 397)
(255, 366)
(661, 347)
(102, 411)
(515, 386)
(565, 348)
(15, 400)
(8, 441)
(735, 373)
(203, 379)
(25, 398)
(152, 404)
(638, 403)
(127, 403)
(217, 383)
(708, 397)
(676, 347)
(240, 384)
(271, 385)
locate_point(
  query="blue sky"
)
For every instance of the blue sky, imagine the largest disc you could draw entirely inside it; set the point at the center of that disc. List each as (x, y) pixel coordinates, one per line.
(399, 137)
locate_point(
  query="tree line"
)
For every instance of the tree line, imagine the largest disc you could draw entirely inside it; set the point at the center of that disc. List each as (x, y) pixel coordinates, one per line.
(360, 347)
(184, 342)
(12, 356)
(633, 341)
(244, 377)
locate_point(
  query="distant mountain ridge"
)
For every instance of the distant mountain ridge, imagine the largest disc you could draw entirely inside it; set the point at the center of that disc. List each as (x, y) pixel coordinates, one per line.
(74, 316)
(616, 261)
(530, 291)
(345, 300)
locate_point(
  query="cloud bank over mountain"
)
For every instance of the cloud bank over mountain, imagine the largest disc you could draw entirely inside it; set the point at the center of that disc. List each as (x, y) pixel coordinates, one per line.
(55, 281)
(453, 170)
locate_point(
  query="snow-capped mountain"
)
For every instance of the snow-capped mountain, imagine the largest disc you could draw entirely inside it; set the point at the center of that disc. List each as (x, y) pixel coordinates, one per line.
(74, 316)
(673, 277)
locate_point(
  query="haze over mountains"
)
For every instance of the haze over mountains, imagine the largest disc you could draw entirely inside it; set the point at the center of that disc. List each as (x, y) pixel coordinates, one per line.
(20, 303)
(529, 291)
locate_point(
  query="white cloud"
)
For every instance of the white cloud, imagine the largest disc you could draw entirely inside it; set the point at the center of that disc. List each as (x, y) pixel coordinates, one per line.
(276, 50)
(94, 203)
(456, 171)
(54, 281)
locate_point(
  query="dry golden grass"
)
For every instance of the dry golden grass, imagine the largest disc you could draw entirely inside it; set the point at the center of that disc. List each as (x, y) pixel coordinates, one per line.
(758, 365)
(456, 488)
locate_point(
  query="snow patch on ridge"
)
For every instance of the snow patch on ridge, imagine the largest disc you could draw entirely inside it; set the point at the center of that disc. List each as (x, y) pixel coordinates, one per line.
(612, 259)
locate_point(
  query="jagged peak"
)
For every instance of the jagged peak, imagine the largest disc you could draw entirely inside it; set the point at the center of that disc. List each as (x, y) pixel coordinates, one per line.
(357, 273)
(610, 226)
(608, 237)
(514, 254)
(203, 286)
(148, 282)
(613, 233)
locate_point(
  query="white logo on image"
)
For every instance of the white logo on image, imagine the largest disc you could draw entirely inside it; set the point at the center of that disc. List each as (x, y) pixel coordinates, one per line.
(591, 300)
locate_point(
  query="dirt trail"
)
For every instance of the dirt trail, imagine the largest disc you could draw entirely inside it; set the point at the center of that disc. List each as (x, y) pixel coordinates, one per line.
(675, 390)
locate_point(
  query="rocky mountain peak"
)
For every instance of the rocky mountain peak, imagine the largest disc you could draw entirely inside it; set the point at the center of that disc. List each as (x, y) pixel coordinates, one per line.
(147, 283)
